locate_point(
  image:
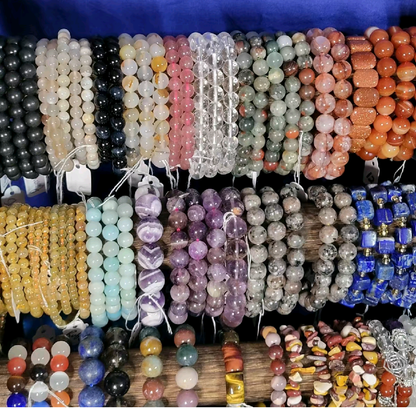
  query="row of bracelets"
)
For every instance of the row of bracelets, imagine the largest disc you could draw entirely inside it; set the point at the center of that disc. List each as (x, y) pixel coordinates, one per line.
(232, 254)
(343, 362)
(231, 103)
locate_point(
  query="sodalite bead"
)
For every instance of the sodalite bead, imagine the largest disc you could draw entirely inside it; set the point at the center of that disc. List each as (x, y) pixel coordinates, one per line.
(365, 264)
(368, 239)
(358, 193)
(403, 235)
(365, 210)
(399, 281)
(91, 371)
(400, 210)
(151, 280)
(384, 271)
(385, 245)
(150, 256)
(402, 260)
(383, 216)
(148, 205)
(92, 331)
(379, 193)
(407, 188)
(411, 201)
(90, 347)
(360, 282)
(91, 397)
(149, 230)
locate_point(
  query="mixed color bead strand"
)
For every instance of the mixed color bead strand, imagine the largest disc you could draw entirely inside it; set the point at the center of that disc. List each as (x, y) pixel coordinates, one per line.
(16, 383)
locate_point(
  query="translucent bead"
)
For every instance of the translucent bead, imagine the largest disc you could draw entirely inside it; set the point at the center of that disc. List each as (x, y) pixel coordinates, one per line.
(59, 381)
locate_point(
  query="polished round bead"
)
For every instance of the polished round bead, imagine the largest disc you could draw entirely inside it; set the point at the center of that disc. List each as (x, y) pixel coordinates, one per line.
(150, 346)
(59, 381)
(17, 400)
(153, 389)
(152, 366)
(40, 356)
(59, 363)
(186, 378)
(186, 355)
(117, 383)
(91, 397)
(91, 371)
(17, 351)
(90, 347)
(16, 383)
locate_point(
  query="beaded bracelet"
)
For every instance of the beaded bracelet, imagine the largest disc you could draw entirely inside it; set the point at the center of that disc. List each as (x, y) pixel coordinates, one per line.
(278, 367)
(234, 368)
(152, 366)
(92, 370)
(187, 376)
(16, 382)
(117, 381)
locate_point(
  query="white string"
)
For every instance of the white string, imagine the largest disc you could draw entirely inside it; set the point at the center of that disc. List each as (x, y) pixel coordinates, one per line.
(214, 324)
(232, 181)
(29, 400)
(400, 170)
(177, 177)
(260, 317)
(84, 200)
(64, 326)
(150, 167)
(248, 260)
(297, 166)
(254, 176)
(35, 248)
(22, 226)
(202, 328)
(172, 179)
(59, 173)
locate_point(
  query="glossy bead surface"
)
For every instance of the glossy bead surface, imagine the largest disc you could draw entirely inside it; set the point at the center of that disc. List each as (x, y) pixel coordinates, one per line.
(91, 397)
(117, 383)
(91, 371)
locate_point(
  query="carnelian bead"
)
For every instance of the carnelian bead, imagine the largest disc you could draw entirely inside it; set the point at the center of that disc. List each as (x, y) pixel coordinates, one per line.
(412, 130)
(16, 366)
(365, 155)
(371, 147)
(409, 142)
(386, 86)
(404, 52)
(384, 48)
(402, 401)
(380, 155)
(413, 41)
(411, 31)
(382, 123)
(394, 29)
(400, 126)
(378, 35)
(406, 71)
(388, 378)
(404, 391)
(270, 166)
(386, 390)
(389, 151)
(63, 396)
(377, 138)
(394, 139)
(386, 105)
(404, 153)
(405, 90)
(401, 37)
(404, 109)
(59, 363)
(42, 342)
(386, 67)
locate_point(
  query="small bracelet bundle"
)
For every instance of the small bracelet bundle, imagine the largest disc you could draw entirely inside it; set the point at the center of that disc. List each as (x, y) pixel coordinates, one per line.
(16, 382)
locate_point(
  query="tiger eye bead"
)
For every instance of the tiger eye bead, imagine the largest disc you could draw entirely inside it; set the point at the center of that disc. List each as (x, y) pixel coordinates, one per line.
(16, 383)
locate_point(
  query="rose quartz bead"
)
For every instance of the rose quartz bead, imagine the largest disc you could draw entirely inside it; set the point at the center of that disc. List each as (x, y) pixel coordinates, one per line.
(188, 119)
(340, 52)
(175, 110)
(171, 44)
(323, 63)
(325, 123)
(313, 33)
(342, 70)
(184, 51)
(323, 142)
(320, 45)
(343, 89)
(272, 339)
(187, 90)
(174, 83)
(325, 103)
(173, 70)
(339, 159)
(188, 131)
(321, 159)
(342, 126)
(186, 62)
(187, 76)
(342, 143)
(175, 124)
(182, 41)
(324, 83)
(174, 97)
(172, 56)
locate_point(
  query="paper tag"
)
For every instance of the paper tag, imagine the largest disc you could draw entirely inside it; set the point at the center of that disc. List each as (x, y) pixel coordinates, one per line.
(149, 184)
(74, 329)
(254, 178)
(79, 179)
(12, 195)
(371, 171)
(4, 183)
(36, 186)
(134, 333)
(301, 193)
(45, 331)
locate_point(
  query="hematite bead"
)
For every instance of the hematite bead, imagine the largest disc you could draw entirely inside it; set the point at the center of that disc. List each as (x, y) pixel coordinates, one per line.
(10, 161)
(11, 62)
(40, 160)
(117, 383)
(16, 111)
(12, 172)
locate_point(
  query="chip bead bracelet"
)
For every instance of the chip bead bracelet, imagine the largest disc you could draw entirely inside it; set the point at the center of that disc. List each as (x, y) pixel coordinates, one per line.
(278, 367)
(92, 370)
(16, 383)
(151, 279)
(117, 381)
(186, 356)
(151, 366)
(181, 134)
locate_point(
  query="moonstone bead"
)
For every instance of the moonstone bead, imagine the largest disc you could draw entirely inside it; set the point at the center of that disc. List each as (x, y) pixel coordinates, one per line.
(186, 378)
(17, 351)
(59, 381)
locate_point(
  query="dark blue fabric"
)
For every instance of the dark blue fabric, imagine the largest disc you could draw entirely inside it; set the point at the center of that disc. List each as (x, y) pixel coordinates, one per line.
(85, 18)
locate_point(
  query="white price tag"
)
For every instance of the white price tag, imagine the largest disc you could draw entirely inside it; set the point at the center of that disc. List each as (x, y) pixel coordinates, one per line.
(149, 184)
(135, 178)
(4, 183)
(36, 186)
(74, 329)
(371, 171)
(12, 195)
(45, 331)
(79, 179)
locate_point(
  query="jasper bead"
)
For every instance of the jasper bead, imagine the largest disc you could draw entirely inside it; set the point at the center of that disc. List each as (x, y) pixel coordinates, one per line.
(278, 367)
(150, 346)
(275, 352)
(184, 335)
(186, 355)
(388, 378)
(153, 389)
(152, 366)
